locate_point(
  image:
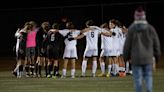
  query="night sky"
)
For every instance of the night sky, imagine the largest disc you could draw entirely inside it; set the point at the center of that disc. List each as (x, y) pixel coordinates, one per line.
(13, 16)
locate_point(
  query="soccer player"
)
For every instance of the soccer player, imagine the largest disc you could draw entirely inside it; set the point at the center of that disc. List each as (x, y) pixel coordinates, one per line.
(53, 51)
(91, 32)
(20, 51)
(70, 52)
(30, 48)
(122, 37)
(41, 47)
(106, 46)
(116, 48)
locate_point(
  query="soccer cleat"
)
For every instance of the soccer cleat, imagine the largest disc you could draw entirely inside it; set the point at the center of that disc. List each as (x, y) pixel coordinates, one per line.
(27, 75)
(39, 75)
(58, 75)
(108, 75)
(54, 77)
(93, 75)
(19, 76)
(63, 77)
(83, 75)
(131, 72)
(48, 76)
(14, 73)
(101, 75)
(73, 77)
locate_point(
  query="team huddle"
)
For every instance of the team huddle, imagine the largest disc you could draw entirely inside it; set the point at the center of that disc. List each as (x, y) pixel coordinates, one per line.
(37, 47)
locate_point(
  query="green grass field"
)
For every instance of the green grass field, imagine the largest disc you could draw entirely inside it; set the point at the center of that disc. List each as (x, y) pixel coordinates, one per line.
(8, 83)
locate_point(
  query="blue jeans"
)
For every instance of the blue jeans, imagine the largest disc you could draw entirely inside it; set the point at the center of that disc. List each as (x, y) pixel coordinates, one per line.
(140, 73)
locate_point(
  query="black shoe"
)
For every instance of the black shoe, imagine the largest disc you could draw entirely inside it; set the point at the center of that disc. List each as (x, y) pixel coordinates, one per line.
(14, 73)
(58, 75)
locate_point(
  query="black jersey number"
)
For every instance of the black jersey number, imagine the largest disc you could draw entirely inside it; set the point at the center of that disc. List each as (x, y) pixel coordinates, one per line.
(53, 37)
(92, 34)
(70, 35)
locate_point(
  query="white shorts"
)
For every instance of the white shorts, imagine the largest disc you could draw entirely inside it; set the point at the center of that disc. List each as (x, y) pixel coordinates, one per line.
(90, 53)
(106, 53)
(70, 53)
(121, 51)
(115, 52)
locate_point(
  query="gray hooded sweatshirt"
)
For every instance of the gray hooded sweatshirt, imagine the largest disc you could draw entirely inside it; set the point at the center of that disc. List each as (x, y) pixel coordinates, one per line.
(142, 43)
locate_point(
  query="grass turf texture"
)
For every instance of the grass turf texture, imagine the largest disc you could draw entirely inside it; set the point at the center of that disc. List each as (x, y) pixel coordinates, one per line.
(8, 83)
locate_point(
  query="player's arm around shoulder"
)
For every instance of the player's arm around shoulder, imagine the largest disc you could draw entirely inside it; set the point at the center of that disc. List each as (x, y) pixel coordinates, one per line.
(82, 33)
(106, 33)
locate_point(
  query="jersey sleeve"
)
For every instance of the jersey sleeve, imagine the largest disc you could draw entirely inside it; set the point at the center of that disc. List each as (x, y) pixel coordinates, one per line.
(63, 32)
(77, 32)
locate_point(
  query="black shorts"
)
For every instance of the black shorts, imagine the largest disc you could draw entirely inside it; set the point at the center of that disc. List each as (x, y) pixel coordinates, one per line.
(52, 52)
(21, 54)
(30, 52)
(41, 52)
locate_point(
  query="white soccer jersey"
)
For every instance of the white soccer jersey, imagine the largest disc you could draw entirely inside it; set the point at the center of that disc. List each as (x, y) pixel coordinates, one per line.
(122, 42)
(116, 38)
(116, 41)
(17, 35)
(106, 42)
(73, 43)
(92, 38)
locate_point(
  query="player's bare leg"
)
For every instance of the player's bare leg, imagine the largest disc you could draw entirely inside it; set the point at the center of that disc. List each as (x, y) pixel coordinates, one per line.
(94, 66)
(64, 71)
(27, 66)
(55, 68)
(40, 63)
(50, 68)
(102, 66)
(32, 65)
(115, 66)
(84, 66)
(73, 68)
(37, 66)
(16, 71)
(110, 62)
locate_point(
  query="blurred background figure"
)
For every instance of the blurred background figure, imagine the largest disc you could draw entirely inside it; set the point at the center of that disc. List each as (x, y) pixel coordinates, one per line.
(141, 45)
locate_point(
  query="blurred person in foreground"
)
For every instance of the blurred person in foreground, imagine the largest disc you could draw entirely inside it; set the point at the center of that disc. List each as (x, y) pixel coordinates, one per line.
(141, 46)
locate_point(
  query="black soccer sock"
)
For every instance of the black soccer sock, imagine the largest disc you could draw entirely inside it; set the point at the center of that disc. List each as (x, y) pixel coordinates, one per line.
(32, 68)
(20, 68)
(130, 66)
(40, 68)
(46, 70)
(27, 69)
(50, 67)
(36, 68)
(55, 70)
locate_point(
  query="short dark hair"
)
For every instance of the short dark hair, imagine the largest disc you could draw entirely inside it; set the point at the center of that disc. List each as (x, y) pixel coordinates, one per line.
(118, 23)
(45, 24)
(113, 21)
(90, 23)
(104, 25)
(55, 25)
(70, 25)
(29, 26)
